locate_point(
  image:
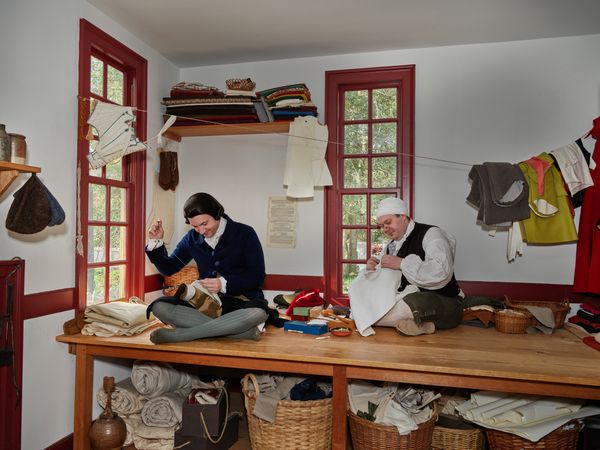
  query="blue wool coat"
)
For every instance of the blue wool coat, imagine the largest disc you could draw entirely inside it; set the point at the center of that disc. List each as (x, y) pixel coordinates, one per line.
(238, 257)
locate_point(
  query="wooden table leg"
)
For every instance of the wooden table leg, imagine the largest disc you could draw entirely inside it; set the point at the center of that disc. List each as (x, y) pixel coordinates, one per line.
(84, 378)
(339, 404)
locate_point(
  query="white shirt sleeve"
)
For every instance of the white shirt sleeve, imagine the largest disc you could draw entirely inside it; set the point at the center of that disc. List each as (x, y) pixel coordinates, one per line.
(153, 244)
(436, 270)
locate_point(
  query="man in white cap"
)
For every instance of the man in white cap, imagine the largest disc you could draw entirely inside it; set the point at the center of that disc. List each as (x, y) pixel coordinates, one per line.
(420, 259)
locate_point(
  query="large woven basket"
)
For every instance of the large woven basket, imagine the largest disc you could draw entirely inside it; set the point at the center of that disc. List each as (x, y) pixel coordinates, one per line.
(299, 425)
(457, 439)
(559, 309)
(563, 438)
(186, 275)
(367, 435)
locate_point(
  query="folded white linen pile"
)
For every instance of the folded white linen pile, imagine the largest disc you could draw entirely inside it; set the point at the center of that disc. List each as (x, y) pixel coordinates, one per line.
(116, 319)
(404, 408)
(530, 417)
(149, 438)
(125, 399)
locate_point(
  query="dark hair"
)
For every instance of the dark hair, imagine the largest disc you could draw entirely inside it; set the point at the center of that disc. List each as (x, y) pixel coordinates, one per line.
(202, 203)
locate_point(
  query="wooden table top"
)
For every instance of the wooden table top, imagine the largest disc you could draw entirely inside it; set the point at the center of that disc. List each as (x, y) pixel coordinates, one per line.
(464, 351)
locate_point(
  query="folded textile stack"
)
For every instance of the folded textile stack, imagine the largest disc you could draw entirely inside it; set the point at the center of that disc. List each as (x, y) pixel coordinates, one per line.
(198, 104)
(530, 417)
(151, 401)
(116, 319)
(587, 317)
(284, 103)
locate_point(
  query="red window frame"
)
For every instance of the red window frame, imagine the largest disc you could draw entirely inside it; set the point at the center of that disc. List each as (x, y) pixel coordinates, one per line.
(95, 42)
(337, 82)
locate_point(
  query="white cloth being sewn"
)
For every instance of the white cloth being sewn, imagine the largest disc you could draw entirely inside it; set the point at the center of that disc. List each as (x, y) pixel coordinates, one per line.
(372, 295)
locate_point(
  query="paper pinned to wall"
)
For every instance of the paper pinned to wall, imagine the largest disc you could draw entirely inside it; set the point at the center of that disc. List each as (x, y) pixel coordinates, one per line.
(281, 228)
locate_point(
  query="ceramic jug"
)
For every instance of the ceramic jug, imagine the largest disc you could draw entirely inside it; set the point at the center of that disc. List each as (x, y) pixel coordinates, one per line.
(18, 152)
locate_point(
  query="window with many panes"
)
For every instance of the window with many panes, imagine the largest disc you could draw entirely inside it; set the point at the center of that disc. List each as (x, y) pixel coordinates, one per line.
(370, 115)
(111, 203)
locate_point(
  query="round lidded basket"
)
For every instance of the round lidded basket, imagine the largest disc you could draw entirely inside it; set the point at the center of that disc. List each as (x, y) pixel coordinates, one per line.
(457, 439)
(513, 321)
(186, 275)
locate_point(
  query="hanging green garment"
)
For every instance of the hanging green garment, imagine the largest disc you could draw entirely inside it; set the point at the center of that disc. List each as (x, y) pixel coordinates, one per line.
(550, 221)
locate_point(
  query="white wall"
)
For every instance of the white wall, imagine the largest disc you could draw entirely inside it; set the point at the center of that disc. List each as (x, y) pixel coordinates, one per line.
(474, 103)
(38, 98)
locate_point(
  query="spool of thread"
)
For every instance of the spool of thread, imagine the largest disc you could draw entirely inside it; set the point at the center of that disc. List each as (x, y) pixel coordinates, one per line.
(18, 148)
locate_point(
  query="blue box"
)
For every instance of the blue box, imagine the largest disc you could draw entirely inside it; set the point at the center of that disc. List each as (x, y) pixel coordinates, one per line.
(303, 327)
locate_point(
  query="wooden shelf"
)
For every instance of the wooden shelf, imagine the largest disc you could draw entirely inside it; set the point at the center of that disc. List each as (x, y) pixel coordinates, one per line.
(178, 132)
(9, 171)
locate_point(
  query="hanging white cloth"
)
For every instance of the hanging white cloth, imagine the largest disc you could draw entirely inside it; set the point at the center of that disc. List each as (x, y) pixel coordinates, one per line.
(116, 135)
(305, 165)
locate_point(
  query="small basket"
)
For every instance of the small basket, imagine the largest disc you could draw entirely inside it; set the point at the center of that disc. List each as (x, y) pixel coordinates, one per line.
(559, 309)
(367, 435)
(299, 425)
(240, 84)
(563, 438)
(513, 321)
(457, 439)
(187, 275)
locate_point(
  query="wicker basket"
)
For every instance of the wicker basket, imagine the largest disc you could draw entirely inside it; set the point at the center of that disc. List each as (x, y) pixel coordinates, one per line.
(186, 275)
(240, 84)
(367, 435)
(559, 309)
(457, 439)
(299, 425)
(513, 321)
(564, 438)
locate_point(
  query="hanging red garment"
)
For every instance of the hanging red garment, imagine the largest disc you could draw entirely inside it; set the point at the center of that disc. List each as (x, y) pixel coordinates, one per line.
(587, 262)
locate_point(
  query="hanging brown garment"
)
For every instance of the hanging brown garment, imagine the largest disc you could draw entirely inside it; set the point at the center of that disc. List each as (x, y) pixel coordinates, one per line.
(168, 176)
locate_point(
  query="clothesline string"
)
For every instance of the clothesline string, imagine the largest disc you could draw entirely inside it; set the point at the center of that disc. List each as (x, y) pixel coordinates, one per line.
(255, 131)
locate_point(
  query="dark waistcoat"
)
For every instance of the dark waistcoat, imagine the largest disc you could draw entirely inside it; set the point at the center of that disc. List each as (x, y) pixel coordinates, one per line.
(413, 245)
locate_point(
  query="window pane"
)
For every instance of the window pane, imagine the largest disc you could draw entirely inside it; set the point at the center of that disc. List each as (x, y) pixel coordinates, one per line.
(354, 210)
(114, 170)
(117, 205)
(355, 172)
(384, 137)
(117, 243)
(375, 199)
(115, 85)
(95, 285)
(354, 244)
(356, 105)
(96, 244)
(116, 282)
(378, 241)
(384, 103)
(384, 172)
(356, 139)
(97, 76)
(349, 273)
(97, 202)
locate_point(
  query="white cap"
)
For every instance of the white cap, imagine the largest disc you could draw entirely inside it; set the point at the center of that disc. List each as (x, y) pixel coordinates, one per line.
(391, 205)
